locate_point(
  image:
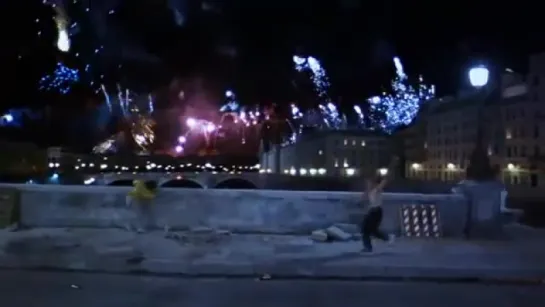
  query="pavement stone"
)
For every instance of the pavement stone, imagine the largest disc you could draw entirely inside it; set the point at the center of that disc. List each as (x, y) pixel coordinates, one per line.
(119, 251)
(54, 289)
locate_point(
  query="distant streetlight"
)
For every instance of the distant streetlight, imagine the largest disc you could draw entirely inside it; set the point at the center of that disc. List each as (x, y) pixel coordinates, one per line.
(416, 166)
(478, 76)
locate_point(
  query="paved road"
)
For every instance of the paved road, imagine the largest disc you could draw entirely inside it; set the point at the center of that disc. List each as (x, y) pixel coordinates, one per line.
(48, 289)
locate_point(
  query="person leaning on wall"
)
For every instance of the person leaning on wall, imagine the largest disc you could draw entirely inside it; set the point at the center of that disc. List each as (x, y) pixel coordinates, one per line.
(141, 199)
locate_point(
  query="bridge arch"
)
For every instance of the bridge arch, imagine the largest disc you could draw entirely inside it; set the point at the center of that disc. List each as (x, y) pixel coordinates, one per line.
(236, 183)
(182, 183)
(121, 183)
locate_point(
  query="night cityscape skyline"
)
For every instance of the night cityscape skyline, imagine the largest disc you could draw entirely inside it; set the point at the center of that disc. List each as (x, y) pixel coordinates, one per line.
(277, 153)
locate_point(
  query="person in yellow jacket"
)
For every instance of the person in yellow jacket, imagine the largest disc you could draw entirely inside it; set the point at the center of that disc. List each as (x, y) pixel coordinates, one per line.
(141, 198)
(141, 191)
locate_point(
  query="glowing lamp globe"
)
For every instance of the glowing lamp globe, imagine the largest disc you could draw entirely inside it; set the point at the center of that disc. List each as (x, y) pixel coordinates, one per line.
(478, 76)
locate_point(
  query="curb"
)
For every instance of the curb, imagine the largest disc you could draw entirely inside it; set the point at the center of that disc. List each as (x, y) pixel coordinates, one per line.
(349, 272)
(282, 272)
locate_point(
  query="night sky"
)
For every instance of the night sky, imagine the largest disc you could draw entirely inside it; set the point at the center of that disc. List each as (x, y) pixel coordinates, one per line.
(248, 45)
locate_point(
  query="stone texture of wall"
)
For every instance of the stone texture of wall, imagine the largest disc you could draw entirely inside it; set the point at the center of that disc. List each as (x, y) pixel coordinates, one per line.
(271, 211)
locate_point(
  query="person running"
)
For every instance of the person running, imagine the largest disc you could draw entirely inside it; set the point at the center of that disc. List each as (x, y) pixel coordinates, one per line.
(370, 226)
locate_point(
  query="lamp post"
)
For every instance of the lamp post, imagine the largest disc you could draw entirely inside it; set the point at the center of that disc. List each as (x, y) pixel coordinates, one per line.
(479, 168)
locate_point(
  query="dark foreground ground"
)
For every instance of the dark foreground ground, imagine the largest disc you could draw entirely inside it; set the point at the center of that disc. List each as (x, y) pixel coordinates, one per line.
(48, 289)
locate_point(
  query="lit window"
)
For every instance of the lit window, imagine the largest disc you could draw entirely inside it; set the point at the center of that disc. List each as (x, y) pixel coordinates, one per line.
(320, 152)
(345, 142)
(362, 143)
(336, 163)
(511, 167)
(345, 163)
(508, 135)
(353, 142)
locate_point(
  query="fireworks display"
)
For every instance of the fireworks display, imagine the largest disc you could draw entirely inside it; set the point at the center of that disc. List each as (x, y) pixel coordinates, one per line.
(140, 121)
(329, 116)
(385, 112)
(234, 120)
(61, 21)
(61, 80)
(399, 108)
(81, 33)
(237, 120)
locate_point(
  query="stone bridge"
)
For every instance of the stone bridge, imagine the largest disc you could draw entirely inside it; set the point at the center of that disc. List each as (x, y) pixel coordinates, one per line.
(204, 180)
(250, 180)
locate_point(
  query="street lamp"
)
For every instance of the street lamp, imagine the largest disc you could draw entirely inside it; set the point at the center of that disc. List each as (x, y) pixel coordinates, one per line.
(478, 76)
(479, 168)
(479, 164)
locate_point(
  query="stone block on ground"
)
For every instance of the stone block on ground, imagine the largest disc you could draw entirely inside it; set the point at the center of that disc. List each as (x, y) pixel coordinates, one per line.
(337, 234)
(319, 235)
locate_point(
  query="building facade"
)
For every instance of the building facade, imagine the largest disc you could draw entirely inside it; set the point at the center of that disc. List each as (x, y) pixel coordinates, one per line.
(331, 153)
(439, 143)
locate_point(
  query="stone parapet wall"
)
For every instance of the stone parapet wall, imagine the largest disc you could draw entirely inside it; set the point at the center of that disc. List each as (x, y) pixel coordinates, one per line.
(270, 211)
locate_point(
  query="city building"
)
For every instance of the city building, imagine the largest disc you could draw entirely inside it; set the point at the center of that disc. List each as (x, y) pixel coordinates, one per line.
(331, 153)
(440, 141)
(21, 158)
(511, 113)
